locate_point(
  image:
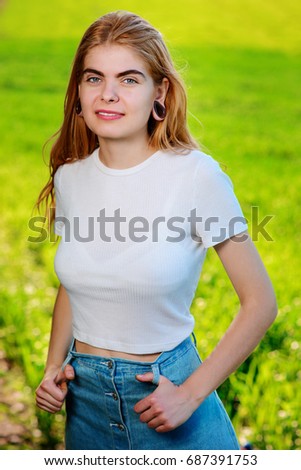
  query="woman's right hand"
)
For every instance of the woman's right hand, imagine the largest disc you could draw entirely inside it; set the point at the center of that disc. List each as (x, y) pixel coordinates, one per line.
(51, 392)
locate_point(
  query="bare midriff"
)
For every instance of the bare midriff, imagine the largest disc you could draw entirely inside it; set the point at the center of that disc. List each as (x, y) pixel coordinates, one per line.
(88, 349)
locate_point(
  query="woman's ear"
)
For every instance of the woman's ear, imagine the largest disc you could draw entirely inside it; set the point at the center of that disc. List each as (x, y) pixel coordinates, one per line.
(159, 109)
(162, 90)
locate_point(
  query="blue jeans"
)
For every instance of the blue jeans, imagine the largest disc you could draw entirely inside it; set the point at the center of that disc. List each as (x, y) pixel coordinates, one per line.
(101, 399)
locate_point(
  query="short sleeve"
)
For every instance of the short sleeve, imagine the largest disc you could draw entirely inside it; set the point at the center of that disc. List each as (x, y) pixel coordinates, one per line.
(59, 211)
(218, 212)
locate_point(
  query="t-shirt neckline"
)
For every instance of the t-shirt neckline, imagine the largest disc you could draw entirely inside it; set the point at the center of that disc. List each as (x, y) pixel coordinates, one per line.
(126, 171)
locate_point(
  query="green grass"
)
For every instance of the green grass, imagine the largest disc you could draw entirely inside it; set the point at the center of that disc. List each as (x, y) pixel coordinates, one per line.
(240, 60)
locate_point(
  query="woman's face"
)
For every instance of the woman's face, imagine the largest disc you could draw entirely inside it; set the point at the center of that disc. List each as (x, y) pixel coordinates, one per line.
(117, 93)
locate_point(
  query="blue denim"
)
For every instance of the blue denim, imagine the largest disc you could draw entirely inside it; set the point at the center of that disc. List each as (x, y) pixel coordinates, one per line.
(100, 405)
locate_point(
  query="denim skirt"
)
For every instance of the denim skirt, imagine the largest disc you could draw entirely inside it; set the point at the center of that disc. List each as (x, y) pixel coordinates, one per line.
(100, 405)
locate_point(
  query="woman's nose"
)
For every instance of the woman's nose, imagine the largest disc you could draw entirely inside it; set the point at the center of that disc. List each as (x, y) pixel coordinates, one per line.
(109, 93)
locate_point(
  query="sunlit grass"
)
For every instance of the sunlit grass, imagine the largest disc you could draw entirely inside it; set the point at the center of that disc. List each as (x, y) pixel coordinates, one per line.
(248, 23)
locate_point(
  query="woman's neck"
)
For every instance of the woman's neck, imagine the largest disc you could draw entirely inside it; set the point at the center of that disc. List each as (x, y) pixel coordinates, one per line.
(121, 155)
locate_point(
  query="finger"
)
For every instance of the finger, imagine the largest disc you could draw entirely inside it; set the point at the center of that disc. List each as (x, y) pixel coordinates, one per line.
(142, 405)
(49, 400)
(148, 415)
(49, 410)
(46, 406)
(158, 425)
(147, 377)
(162, 429)
(48, 390)
(52, 391)
(46, 398)
(155, 423)
(63, 386)
(69, 372)
(64, 375)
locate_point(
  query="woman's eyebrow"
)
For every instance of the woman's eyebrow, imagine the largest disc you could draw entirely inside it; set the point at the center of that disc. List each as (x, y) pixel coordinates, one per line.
(120, 74)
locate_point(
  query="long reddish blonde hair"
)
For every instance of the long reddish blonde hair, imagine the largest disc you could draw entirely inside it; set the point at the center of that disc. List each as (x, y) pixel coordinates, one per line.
(74, 140)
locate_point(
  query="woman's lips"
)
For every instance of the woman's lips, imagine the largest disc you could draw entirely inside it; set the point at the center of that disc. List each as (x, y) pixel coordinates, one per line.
(108, 115)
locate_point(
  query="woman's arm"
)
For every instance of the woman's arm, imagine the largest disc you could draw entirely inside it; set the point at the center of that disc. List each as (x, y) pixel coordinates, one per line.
(257, 312)
(169, 406)
(61, 330)
(52, 390)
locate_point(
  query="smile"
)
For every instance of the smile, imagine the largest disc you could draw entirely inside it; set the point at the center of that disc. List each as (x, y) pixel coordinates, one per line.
(109, 115)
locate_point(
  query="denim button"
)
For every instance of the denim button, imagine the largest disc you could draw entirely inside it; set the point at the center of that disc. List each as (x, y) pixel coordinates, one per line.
(121, 427)
(115, 396)
(110, 364)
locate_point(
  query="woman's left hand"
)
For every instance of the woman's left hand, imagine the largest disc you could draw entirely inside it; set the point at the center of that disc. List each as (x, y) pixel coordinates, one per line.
(167, 407)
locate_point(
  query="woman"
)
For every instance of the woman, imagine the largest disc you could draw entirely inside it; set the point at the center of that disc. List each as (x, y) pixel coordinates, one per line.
(137, 206)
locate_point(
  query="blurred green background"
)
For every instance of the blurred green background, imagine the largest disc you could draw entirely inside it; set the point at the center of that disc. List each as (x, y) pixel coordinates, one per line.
(241, 63)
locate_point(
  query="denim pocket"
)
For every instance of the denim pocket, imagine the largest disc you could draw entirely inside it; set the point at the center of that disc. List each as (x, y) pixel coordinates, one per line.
(179, 369)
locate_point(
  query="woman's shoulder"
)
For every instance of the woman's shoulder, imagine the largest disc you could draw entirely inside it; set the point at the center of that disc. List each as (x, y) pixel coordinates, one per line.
(203, 170)
(73, 167)
(196, 159)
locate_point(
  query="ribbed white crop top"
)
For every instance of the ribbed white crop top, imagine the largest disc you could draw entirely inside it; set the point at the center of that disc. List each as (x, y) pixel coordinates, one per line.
(132, 249)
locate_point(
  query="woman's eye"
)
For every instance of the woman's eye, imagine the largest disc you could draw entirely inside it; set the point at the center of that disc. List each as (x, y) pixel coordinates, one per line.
(93, 79)
(130, 81)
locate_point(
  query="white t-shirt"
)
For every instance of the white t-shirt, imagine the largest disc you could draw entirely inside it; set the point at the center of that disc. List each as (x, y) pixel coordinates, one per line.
(132, 248)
